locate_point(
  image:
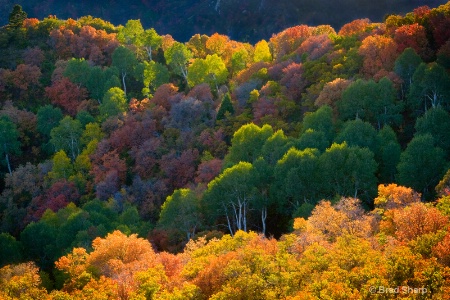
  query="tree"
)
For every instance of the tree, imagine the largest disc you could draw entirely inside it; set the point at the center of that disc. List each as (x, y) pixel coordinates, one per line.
(151, 40)
(21, 281)
(131, 32)
(312, 139)
(412, 36)
(247, 143)
(332, 92)
(77, 70)
(430, 87)
(379, 54)
(349, 171)
(275, 147)
(114, 103)
(177, 57)
(393, 196)
(181, 212)
(9, 140)
(125, 61)
(155, 75)
(405, 67)
(296, 180)
(262, 52)
(358, 133)
(211, 70)
(48, 117)
(321, 121)
(231, 195)
(10, 250)
(436, 121)
(66, 136)
(388, 154)
(417, 219)
(121, 257)
(225, 107)
(66, 94)
(17, 16)
(61, 166)
(421, 165)
(372, 102)
(99, 81)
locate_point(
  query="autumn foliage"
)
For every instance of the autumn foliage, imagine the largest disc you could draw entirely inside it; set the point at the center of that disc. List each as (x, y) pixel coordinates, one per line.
(313, 164)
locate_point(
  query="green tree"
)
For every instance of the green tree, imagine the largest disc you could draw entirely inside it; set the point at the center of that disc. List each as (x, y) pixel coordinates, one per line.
(92, 132)
(430, 87)
(151, 40)
(62, 167)
(436, 121)
(247, 143)
(155, 75)
(348, 171)
(231, 194)
(134, 34)
(181, 211)
(239, 60)
(297, 180)
(321, 120)
(77, 70)
(177, 57)
(275, 147)
(358, 133)
(9, 140)
(66, 136)
(10, 250)
(370, 101)
(125, 61)
(17, 16)
(312, 139)
(114, 103)
(405, 66)
(131, 33)
(388, 154)
(225, 106)
(85, 118)
(38, 240)
(263, 184)
(211, 70)
(48, 117)
(421, 165)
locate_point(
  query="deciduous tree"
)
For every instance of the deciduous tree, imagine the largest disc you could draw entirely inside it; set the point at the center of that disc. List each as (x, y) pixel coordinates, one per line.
(9, 140)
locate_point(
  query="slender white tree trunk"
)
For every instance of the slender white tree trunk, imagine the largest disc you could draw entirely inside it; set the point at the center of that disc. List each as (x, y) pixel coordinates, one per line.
(8, 163)
(123, 82)
(263, 219)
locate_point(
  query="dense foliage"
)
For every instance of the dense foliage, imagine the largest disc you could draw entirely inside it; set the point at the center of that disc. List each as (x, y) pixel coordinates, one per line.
(118, 144)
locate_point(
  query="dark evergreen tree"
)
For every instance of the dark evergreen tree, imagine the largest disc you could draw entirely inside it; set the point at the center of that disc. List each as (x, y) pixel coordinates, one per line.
(17, 16)
(225, 106)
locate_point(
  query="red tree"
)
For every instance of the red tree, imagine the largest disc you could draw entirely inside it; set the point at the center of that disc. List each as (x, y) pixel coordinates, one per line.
(66, 94)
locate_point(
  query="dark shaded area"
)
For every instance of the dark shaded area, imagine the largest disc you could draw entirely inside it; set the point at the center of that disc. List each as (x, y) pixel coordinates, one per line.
(249, 20)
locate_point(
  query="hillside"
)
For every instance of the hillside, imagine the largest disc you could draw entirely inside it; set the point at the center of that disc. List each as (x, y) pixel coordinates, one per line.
(250, 20)
(149, 168)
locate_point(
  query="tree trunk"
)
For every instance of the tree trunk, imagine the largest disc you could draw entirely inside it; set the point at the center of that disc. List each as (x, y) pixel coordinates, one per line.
(228, 220)
(149, 52)
(124, 74)
(8, 163)
(263, 219)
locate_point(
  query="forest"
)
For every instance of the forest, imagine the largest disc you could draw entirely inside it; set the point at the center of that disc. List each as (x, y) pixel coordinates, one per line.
(311, 165)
